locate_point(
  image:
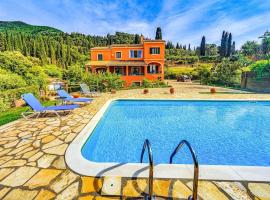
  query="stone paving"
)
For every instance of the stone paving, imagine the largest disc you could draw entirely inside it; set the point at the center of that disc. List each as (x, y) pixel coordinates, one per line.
(32, 163)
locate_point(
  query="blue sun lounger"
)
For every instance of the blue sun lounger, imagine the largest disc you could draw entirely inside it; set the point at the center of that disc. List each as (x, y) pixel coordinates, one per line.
(67, 97)
(38, 109)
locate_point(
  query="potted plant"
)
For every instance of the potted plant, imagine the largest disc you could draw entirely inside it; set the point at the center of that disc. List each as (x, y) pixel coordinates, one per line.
(213, 90)
(113, 91)
(76, 95)
(172, 90)
(145, 91)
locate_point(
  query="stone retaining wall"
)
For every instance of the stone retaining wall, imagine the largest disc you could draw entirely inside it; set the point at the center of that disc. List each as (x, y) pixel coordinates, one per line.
(250, 82)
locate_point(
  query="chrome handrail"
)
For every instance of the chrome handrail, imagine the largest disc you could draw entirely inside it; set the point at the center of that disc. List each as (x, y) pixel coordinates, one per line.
(151, 166)
(196, 167)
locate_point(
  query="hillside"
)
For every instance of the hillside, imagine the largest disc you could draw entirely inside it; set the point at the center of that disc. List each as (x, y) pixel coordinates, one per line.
(18, 26)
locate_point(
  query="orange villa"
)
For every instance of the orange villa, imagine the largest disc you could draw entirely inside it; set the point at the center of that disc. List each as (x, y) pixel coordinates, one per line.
(134, 62)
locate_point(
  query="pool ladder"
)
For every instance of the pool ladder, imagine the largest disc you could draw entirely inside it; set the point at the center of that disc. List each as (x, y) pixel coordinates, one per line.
(147, 145)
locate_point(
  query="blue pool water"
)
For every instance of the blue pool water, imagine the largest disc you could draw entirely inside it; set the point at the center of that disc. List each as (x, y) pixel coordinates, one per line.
(221, 133)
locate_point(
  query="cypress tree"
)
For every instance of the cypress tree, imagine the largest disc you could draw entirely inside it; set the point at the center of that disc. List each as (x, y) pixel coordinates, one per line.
(19, 42)
(189, 47)
(58, 54)
(229, 45)
(158, 34)
(25, 49)
(222, 49)
(2, 42)
(225, 44)
(185, 47)
(68, 52)
(202, 47)
(177, 46)
(52, 53)
(63, 55)
(233, 48)
(34, 51)
(41, 52)
(9, 43)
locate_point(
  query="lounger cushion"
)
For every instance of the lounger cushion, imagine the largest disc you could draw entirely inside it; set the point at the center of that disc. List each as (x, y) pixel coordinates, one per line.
(63, 93)
(63, 107)
(33, 102)
(78, 99)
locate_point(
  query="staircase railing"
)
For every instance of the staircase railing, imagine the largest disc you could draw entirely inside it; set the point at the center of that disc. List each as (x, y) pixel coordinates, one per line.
(196, 167)
(151, 167)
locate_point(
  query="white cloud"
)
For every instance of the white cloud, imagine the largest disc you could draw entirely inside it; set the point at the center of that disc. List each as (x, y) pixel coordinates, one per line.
(181, 21)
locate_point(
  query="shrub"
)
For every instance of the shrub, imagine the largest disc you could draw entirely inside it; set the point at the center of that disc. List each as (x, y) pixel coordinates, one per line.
(208, 59)
(261, 68)
(174, 72)
(74, 74)
(9, 96)
(203, 73)
(226, 73)
(103, 81)
(10, 80)
(4, 106)
(153, 84)
(146, 83)
(37, 76)
(16, 62)
(53, 71)
(25, 70)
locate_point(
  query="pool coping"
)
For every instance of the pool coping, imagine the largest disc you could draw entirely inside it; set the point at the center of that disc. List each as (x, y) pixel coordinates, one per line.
(81, 165)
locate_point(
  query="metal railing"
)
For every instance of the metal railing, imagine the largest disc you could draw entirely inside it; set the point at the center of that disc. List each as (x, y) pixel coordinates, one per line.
(151, 167)
(196, 167)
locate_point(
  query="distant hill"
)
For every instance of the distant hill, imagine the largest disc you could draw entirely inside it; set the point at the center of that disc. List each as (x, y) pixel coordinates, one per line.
(18, 26)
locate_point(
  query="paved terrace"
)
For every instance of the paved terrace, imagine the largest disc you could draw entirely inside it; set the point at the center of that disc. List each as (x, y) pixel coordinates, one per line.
(32, 164)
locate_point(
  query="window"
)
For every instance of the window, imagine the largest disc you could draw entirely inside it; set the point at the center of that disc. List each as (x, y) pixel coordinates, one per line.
(154, 50)
(135, 71)
(118, 55)
(100, 56)
(135, 53)
(119, 70)
(152, 69)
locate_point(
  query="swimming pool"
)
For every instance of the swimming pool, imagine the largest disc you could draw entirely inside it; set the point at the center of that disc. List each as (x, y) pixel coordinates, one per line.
(222, 133)
(235, 134)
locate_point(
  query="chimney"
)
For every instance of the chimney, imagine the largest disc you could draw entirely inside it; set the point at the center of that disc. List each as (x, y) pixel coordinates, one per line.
(141, 39)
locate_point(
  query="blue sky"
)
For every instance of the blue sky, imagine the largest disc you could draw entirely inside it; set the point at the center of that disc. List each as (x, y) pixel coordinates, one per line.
(183, 21)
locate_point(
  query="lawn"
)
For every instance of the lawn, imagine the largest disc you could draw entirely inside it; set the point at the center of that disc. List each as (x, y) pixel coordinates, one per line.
(15, 113)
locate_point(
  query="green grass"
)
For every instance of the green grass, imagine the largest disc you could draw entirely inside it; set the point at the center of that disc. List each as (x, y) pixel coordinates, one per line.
(15, 113)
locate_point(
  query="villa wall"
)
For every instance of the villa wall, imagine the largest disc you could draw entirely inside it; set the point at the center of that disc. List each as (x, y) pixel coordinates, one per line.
(250, 82)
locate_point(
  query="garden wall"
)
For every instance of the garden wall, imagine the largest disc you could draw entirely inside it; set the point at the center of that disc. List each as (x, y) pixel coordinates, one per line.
(249, 81)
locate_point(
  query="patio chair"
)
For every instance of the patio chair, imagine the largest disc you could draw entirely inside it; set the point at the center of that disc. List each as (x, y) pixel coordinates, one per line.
(86, 91)
(68, 98)
(38, 109)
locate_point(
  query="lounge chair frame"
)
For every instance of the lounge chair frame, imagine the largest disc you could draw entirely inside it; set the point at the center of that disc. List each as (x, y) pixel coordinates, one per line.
(24, 114)
(87, 92)
(33, 111)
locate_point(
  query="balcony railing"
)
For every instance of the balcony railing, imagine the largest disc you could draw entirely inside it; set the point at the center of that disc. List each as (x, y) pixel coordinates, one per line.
(136, 74)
